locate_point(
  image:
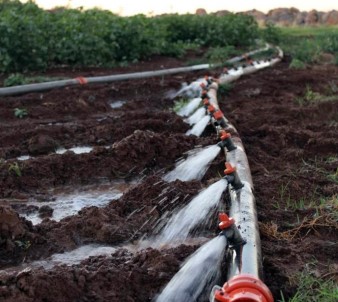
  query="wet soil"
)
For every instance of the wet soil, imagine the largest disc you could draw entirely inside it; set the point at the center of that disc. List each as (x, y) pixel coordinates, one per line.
(291, 145)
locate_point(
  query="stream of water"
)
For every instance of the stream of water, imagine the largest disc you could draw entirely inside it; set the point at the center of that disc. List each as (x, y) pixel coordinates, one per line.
(196, 117)
(198, 275)
(195, 166)
(67, 204)
(199, 126)
(199, 210)
(190, 107)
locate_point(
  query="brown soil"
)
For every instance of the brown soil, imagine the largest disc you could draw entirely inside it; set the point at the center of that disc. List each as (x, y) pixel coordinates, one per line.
(292, 150)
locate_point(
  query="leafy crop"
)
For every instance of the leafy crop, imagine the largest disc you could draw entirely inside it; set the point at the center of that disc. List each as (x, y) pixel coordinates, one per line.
(35, 39)
(20, 112)
(15, 168)
(19, 79)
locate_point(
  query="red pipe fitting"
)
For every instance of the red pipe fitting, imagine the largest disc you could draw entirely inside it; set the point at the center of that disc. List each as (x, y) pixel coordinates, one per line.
(211, 109)
(225, 221)
(224, 135)
(243, 288)
(218, 115)
(232, 176)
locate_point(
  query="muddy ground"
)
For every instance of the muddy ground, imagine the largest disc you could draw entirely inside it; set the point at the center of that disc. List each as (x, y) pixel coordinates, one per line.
(291, 143)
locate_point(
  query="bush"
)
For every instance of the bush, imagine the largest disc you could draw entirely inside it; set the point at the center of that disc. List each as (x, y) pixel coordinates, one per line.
(220, 54)
(271, 34)
(34, 39)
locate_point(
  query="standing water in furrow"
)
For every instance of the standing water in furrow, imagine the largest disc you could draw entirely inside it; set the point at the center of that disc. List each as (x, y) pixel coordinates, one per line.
(196, 117)
(199, 127)
(195, 166)
(198, 275)
(190, 107)
(197, 211)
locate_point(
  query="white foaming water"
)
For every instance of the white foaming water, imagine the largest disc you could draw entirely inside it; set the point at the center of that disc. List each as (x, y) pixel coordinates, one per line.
(75, 256)
(117, 104)
(190, 107)
(195, 166)
(198, 274)
(197, 116)
(237, 72)
(199, 127)
(192, 90)
(69, 204)
(76, 150)
(23, 157)
(198, 210)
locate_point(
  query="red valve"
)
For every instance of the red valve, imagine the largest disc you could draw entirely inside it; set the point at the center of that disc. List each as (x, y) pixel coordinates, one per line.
(225, 221)
(224, 135)
(218, 115)
(211, 109)
(229, 169)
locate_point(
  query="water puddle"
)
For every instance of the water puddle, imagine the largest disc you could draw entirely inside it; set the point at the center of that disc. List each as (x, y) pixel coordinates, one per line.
(195, 166)
(198, 274)
(198, 211)
(75, 256)
(76, 150)
(196, 117)
(117, 104)
(199, 127)
(23, 157)
(190, 107)
(69, 203)
(68, 258)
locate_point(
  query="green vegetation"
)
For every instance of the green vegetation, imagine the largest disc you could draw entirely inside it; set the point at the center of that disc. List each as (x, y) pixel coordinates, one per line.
(34, 39)
(312, 97)
(15, 168)
(313, 289)
(178, 105)
(224, 89)
(219, 55)
(20, 112)
(306, 45)
(19, 79)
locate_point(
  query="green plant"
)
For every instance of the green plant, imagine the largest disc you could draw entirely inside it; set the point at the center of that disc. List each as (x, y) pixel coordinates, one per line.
(219, 55)
(313, 289)
(20, 112)
(271, 34)
(14, 167)
(15, 79)
(297, 64)
(97, 37)
(312, 97)
(23, 244)
(334, 176)
(224, 89)
(178, 105)
(19, 79)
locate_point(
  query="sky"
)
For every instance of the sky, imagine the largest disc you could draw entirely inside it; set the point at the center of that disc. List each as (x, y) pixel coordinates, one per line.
(154, 7)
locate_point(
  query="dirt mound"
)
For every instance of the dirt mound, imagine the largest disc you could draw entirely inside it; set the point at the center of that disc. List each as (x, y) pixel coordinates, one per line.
(123, 276)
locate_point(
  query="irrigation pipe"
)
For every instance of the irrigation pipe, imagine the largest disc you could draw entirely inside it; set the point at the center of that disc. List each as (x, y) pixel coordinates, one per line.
(245, 268)
(21, 89)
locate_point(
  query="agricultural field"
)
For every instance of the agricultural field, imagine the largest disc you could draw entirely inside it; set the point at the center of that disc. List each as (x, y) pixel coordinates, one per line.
(82, 194)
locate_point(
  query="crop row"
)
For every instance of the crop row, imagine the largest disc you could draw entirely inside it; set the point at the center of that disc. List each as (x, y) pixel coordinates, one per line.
(32, 38)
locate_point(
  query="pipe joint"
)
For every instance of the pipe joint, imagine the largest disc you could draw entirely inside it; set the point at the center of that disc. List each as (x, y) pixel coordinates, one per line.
(230, 231)
(232, 177)
(242, 288)
(226, 142)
